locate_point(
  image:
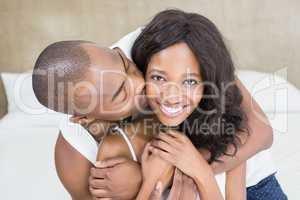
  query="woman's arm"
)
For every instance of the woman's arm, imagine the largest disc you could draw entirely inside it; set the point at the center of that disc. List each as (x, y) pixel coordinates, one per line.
(207, 184)
(260, 134)
(236, 183)
(178, 150)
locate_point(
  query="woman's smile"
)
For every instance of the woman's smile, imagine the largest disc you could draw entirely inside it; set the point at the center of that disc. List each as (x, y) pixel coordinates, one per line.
(173, 88)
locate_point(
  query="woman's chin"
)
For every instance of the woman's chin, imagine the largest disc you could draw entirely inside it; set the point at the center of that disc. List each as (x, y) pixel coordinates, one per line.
(170, 121)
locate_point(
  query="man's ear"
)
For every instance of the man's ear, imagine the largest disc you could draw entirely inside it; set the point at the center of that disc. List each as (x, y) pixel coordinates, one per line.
(123, 57)
(83, 97)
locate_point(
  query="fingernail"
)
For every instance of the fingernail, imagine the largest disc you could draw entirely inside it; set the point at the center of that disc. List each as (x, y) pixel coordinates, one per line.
(98, 163)
(158, 186)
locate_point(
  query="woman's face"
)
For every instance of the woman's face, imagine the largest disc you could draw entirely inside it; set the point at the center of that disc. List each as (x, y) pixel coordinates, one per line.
(173, 85)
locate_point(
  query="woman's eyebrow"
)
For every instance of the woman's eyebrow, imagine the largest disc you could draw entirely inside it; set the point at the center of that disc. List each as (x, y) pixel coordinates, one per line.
(118, 91)
(192, 74)
(157, 70)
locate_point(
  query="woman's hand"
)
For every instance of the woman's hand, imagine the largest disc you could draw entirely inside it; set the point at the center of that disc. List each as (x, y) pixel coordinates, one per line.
(156, 169)
(177, 149)
(183, 188)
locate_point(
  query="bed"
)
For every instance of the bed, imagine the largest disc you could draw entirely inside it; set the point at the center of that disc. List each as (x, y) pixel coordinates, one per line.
(27, 140)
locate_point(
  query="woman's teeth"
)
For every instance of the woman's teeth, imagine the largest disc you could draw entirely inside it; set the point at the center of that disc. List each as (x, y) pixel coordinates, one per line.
(171, 111)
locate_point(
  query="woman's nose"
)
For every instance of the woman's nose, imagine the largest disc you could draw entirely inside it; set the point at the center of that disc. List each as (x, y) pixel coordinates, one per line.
(171, 94)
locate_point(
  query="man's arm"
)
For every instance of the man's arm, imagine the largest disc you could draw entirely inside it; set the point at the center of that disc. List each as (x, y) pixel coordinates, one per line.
(236, 183)
(73, 170)
(120, 176)
(260, 134)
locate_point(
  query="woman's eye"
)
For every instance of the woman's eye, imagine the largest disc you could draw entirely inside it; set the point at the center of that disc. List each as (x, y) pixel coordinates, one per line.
(190, 82)
(157, 78)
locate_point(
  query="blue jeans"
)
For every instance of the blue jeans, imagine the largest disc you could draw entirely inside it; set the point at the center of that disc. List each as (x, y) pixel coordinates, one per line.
(267, 189)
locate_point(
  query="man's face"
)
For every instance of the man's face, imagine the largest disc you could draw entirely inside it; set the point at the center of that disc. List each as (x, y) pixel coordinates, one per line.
(114, 87)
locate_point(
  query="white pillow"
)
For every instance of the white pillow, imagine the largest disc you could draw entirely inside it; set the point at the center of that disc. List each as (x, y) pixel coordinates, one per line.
(273, 93)
(22, 100)
(20, 95)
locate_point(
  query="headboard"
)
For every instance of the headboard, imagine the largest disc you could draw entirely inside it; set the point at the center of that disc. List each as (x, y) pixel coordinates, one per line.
(262, 35)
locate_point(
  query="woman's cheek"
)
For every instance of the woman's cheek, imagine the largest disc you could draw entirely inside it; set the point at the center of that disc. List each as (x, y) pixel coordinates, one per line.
(197, 95)
(152, 91)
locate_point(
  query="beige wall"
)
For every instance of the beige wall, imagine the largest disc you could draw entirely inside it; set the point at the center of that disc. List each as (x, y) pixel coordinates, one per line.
(262, 34)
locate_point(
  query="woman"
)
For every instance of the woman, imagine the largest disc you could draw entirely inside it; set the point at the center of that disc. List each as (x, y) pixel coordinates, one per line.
(191, 84)
(171, 27)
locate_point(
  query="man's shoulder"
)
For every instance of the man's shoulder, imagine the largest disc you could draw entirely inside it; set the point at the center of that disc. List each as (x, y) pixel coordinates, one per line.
(127, 41)
(74, 164)
(79, 138)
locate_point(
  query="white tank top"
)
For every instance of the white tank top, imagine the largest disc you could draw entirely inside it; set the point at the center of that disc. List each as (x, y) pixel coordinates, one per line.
(128, 142)
(78, 137)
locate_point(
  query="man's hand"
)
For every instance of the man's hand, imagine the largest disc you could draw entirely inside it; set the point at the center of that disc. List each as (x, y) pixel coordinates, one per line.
(116, 178)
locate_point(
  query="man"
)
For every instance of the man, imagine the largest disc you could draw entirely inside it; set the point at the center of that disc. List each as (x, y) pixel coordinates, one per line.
(71, 76)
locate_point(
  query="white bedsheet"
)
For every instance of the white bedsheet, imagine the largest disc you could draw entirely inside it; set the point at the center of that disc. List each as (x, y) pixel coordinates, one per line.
(27, 169)
(286, 151)
(27, 151)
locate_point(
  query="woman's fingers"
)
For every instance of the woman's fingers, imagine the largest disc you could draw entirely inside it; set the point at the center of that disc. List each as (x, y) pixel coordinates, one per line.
(160, 144)
(157, 192)
(189, 189)
(166, 137)
(162, 154)
(177, 176)
(146, 152)
(176, 186)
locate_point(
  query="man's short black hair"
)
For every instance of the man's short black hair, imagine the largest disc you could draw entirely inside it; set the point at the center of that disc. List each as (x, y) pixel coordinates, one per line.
(59, 64)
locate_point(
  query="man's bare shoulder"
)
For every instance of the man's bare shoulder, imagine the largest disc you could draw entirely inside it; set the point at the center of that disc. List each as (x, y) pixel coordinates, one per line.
(68, 162)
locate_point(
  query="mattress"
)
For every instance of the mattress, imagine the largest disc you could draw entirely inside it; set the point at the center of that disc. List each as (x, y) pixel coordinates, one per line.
(27, 156)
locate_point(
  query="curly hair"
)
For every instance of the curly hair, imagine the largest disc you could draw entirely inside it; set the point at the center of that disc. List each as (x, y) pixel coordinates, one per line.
(222, 115)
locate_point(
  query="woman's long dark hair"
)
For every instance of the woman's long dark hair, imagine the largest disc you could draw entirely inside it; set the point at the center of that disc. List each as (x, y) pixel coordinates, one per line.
(222, 115)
